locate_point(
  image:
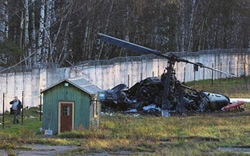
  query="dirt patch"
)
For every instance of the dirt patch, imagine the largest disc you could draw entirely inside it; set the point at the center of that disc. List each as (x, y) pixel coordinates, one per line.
(235, 150)
(196, 138)
(121, 153)
(39, 150)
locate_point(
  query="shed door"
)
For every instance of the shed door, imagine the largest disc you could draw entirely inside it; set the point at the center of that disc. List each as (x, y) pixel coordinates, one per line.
(66, 116)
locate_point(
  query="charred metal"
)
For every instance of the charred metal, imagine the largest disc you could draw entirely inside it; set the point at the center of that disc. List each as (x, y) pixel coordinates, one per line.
(163, 94)
(149, 92)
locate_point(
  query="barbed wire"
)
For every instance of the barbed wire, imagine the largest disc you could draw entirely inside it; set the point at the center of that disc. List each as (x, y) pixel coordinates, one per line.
(20, 68)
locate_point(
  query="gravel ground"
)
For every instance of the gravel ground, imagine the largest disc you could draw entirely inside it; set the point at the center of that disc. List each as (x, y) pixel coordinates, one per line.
(47, 150)
(40, 150)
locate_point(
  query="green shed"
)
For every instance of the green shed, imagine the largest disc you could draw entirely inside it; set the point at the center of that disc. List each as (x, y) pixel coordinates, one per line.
(70, 104)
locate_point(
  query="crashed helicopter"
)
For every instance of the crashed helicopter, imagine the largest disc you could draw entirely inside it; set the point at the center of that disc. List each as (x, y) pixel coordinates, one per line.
(163, 94)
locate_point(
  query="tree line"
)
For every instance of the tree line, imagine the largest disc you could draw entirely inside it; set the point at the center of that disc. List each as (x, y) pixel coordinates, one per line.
(64, 32)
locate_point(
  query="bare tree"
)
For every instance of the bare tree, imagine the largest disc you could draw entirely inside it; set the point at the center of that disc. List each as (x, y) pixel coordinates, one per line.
(33, 34)
(38, 58)
(191, 25)
(65, 32)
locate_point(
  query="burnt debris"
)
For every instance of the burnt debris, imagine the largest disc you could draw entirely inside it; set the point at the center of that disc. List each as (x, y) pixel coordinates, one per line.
(166, 93)
(146, 97)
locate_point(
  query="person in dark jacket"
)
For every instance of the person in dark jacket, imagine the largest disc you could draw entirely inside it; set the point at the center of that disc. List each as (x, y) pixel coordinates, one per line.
(16, 108)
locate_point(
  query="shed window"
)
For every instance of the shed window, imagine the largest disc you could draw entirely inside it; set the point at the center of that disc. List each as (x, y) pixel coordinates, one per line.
(66, 110)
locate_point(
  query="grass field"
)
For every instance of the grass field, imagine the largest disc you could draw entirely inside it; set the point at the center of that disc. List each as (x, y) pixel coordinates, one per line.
(195, 134)
(232, 87)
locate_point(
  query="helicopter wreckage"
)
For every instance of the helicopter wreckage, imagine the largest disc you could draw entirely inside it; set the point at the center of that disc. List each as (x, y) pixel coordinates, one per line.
(161, 95)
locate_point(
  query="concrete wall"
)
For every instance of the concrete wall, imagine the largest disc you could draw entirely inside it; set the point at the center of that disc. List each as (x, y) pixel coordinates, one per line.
(109, 73)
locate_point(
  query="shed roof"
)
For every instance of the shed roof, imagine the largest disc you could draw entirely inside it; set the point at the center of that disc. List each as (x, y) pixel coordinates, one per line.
(81, 84)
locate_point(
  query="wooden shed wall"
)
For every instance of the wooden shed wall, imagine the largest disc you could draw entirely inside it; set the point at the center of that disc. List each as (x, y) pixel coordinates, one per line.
(59, 93)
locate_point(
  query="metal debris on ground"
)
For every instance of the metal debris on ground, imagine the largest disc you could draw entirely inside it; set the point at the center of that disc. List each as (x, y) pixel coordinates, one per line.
(146, 97)
(166, 93)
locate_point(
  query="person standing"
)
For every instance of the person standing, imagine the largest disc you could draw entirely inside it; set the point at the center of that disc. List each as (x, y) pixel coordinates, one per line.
(16, 108)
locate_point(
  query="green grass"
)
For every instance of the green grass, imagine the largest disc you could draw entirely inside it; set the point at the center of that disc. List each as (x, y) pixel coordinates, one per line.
(199, 134)
(195, 134)
(232, 87)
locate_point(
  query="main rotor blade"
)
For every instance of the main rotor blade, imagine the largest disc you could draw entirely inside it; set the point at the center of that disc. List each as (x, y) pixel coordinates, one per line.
(213, 69)
(203, 66)
(144, 50)
(130, 46)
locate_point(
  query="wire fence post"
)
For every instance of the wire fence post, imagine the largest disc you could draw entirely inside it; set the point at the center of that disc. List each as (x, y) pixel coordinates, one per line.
(3, 111)
(128, 80)
(203, 77)
(237, 68)
(220, 70)
(184, 79)
(229, 70)
(245, 73)
(40, 106)
(212, 75)
(194, 78)
(23, 105)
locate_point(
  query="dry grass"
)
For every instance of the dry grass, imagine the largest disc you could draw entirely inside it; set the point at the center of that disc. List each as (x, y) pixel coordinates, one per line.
(195, 134)
(198, 134)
